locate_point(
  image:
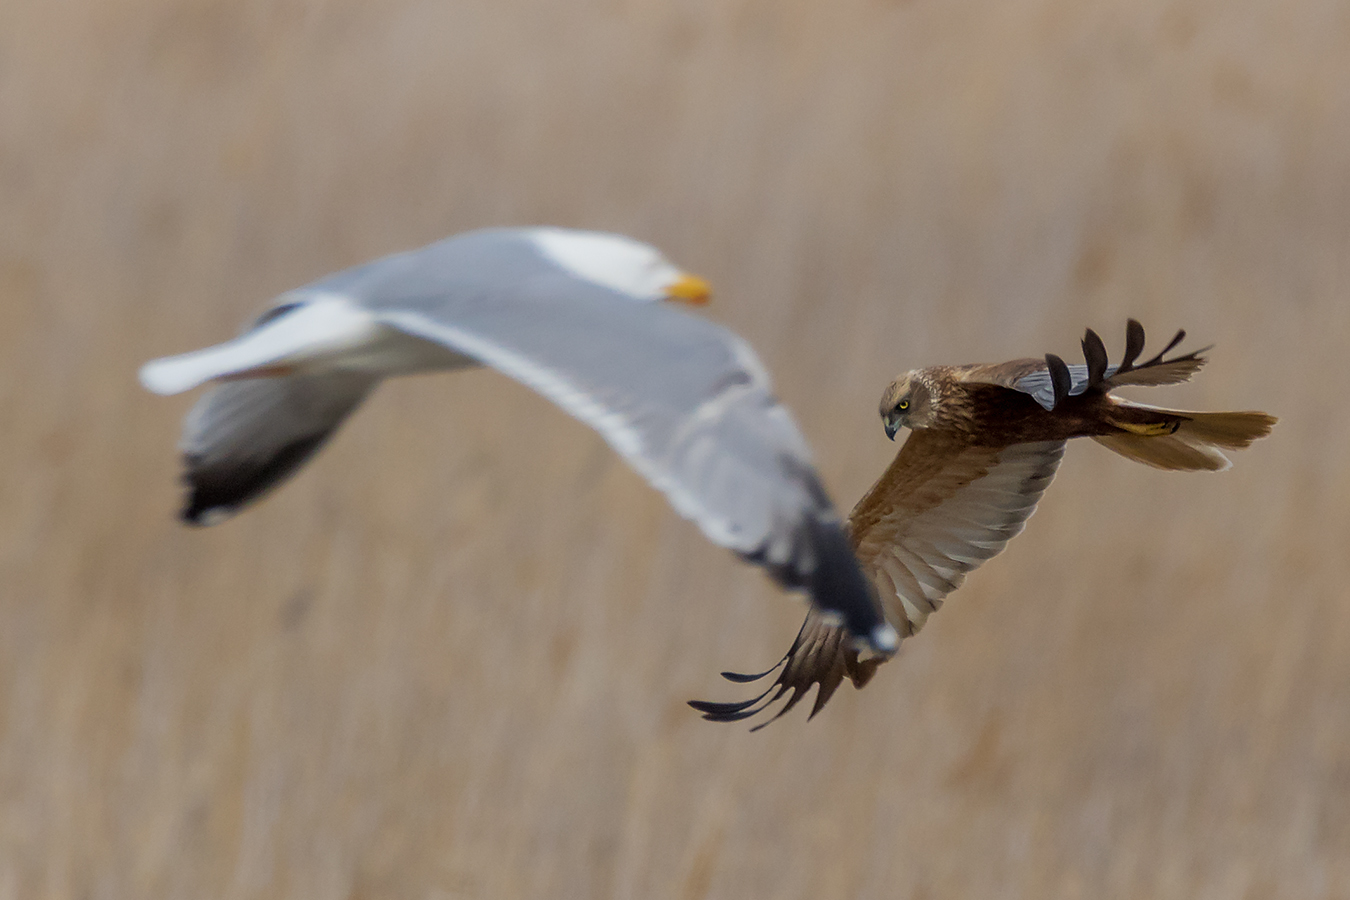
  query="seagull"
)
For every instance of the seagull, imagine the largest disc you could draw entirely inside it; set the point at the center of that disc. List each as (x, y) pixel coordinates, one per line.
(571, 314)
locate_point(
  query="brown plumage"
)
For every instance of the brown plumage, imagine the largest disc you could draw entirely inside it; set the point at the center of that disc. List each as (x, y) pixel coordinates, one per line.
(985, 445)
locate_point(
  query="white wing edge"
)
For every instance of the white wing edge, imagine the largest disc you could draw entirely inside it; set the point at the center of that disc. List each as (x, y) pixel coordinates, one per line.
(326, 324)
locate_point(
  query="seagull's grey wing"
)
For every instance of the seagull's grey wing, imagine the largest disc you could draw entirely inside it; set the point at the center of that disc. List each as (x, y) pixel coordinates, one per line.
(244, 437)
(684, 401)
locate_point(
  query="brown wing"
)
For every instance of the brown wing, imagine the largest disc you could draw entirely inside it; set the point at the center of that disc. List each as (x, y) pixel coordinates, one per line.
(943, 507)
(940, 510)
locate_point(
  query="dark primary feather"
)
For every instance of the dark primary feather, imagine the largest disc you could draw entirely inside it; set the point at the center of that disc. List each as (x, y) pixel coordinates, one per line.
(1176, 339)
(1158, 370)
(1060, 379)
(1134, 345)
(228, 484)
(1094, 353)
(817, 641)
(243, 438)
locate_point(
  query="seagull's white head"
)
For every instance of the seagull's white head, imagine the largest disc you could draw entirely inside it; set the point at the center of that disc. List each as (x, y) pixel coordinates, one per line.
(620, 263)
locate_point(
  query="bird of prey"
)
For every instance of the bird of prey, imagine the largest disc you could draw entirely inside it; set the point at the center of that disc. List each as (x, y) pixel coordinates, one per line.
(985, 444)
(571, 315)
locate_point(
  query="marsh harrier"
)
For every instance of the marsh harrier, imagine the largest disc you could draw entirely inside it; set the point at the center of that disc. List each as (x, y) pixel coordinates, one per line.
(985, 444)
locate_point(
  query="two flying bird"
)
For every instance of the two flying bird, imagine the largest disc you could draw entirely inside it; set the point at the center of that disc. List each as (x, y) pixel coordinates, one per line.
(687, 403)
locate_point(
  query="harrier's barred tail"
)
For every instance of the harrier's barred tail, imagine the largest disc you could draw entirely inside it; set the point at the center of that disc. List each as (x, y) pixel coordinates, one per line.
(1179, 440)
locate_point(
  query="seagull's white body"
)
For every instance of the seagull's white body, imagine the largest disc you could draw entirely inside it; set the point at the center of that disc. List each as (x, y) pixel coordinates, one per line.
(568, 313)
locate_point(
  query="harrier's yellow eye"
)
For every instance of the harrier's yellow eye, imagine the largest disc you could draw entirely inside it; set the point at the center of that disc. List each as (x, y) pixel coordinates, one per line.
(903, 404)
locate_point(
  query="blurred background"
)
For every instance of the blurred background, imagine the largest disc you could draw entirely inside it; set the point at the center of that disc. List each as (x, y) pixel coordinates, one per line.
(450, 659)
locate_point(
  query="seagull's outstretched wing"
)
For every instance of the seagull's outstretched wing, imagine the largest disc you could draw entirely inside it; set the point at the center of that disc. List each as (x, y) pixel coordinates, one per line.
(685, 402)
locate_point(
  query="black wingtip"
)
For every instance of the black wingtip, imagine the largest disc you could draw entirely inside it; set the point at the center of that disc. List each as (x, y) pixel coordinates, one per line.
(1176, 339)
(719, 711)
(738, 710)
(1134, 345)
(822, 563)
(206, 503)
(1060, 380)
(210, 500)
(218, 489)
(838, 586)
(823, 694)
(742, 678)
(1094, 354)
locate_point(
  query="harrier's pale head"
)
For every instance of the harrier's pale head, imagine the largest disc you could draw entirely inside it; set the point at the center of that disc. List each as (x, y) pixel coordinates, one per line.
(909, 401)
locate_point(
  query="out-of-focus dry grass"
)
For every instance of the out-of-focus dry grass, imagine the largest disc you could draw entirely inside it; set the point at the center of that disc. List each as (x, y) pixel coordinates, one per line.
(450, 659)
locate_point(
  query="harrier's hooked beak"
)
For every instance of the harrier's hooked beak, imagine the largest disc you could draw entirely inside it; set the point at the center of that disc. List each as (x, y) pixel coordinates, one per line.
(892, 423)
(689, 289)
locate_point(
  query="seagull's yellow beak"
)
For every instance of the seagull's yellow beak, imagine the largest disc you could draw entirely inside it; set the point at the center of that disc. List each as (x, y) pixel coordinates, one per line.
(689, 289)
